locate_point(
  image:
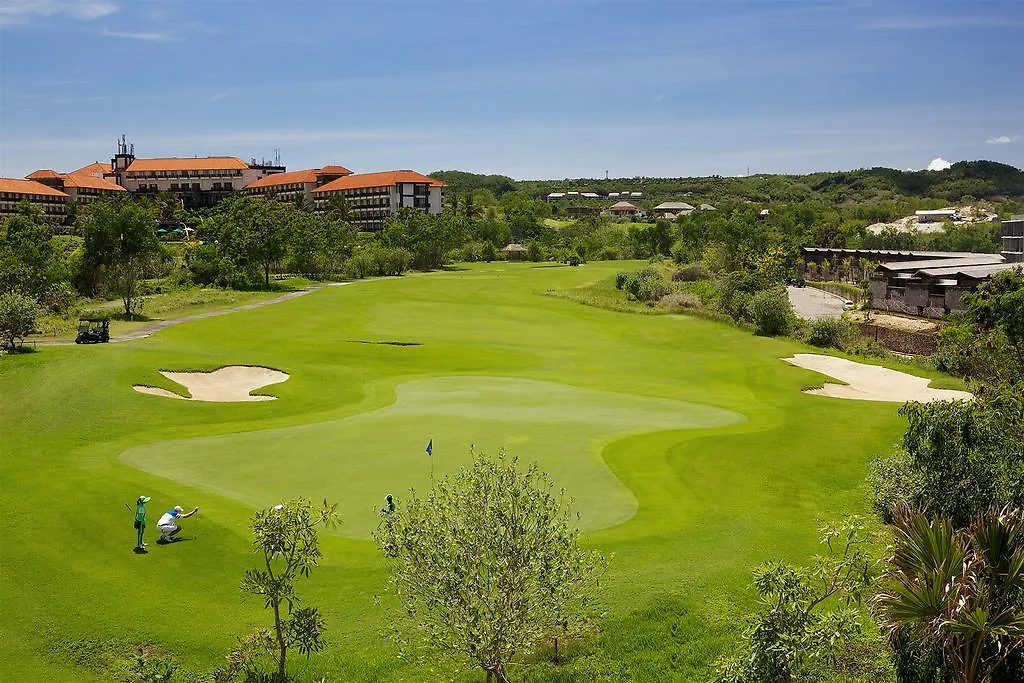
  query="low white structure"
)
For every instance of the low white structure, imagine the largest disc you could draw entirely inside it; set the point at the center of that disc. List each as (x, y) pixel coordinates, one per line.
(625, 210)
(937, 215)
(672, 209)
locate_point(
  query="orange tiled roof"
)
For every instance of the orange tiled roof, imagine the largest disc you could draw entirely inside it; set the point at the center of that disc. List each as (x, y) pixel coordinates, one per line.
(19, 186)
(43, 173)
(187, 164)
(291, 177)
(88, 181)
(96, 169)
(383, 179)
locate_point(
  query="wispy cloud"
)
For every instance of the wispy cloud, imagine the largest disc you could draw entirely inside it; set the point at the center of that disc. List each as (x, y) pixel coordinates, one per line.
(1002, 139)
(934, 23)
(150, 36)
(24, 11)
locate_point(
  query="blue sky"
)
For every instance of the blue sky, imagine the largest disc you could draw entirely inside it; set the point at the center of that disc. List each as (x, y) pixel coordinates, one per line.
(531, 88)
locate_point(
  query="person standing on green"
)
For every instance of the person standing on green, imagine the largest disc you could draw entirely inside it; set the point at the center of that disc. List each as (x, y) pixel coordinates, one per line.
(140, 522)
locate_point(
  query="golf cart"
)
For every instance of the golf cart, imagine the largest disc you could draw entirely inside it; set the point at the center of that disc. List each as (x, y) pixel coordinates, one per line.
(93, 331)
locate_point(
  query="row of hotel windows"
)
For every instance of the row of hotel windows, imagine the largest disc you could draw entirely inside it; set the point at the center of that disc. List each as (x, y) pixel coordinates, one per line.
(12, 207)
(44, 198)
(184, 187)
(149, 175)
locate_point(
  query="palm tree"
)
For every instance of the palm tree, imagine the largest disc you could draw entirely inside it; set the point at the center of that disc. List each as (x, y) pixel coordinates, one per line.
(957, 592)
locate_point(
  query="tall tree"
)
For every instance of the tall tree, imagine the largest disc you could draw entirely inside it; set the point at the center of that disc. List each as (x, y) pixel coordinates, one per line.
(121, 240)
(489, 565)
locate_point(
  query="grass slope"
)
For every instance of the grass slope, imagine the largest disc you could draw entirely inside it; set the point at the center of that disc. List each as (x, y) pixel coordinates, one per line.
(698, 506)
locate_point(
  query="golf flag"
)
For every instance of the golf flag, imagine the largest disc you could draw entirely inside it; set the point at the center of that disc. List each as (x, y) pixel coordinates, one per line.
(430, 447)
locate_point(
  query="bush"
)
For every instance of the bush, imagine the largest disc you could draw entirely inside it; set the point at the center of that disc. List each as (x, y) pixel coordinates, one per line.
(831, 332)
(691, 273)
(18, 314)
(620, 279)
(771, 312)
(894, 479)
(680, 300)
(646, 285)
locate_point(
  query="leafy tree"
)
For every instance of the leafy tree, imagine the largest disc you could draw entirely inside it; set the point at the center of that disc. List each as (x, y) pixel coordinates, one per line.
(959, 593)
(25, 255)
(488, 565)
(254, 233)
(18, 313)
(807, 614)
(286, 537)
(771, 311)
(121, 240)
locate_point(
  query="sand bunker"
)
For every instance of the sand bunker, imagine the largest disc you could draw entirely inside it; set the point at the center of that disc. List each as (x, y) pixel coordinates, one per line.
(226, 385)
(870, 382)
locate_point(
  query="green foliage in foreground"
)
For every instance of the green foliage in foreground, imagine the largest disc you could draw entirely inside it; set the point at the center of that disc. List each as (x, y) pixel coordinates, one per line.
(958, 593)
(18, 313)
(488, 565)
(809, 617)
(703, 504)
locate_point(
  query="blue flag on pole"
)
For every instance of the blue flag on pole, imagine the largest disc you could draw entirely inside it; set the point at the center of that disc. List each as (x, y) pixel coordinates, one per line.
(430, 447)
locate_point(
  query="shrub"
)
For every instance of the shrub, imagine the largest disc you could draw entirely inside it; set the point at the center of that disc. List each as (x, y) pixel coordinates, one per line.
(691, 273)
(894, 480)
(646, 284)
(831, 332)
(620, 279)
(771, 312)
(18, 314)
(680, 300)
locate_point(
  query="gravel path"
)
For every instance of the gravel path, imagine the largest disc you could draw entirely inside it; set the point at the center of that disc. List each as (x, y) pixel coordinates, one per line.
(810, 303)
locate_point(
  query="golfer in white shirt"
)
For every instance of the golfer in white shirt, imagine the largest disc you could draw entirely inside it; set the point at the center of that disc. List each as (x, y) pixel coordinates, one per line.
(168, 524)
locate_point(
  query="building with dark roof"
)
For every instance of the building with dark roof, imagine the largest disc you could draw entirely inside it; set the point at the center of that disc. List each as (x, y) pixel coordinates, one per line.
(1013, 239)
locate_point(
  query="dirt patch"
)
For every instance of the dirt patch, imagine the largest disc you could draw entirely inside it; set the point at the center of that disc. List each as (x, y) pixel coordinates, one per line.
(227, 385)
(870, 382)
(895, 322)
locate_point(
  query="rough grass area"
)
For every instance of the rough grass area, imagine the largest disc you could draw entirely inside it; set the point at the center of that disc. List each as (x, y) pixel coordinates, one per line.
(688, 443)
(165, 306)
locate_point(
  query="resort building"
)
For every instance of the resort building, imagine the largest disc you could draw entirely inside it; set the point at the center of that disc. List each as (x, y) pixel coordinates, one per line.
(1013, 239)
(931, 288)
(81, 188)
(13, 191)
(295, 186)
(672, 209)
(625, 210)
(371, 198)
(200, 181)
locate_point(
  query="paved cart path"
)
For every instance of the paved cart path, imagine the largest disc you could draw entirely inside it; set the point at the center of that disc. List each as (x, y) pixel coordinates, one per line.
(152, 328)
(811, 303)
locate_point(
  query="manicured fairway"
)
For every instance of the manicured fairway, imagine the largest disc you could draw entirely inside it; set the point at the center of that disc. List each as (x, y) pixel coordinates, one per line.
(688, 445)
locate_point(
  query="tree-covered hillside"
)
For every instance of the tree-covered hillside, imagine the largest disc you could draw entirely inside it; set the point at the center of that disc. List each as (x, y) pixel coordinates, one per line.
(963, 181)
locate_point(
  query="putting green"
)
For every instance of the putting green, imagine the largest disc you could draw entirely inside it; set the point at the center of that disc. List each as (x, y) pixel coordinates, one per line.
(356, 460)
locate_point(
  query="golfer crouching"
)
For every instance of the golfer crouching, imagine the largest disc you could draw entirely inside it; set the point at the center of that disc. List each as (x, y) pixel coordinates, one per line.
(168, 524)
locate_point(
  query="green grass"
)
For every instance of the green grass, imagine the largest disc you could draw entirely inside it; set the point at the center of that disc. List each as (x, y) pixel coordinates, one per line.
(165, 306)
(688, 444)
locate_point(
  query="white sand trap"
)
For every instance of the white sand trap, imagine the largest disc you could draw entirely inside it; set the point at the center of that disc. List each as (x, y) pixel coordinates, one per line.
(870, 382)
(226, 385)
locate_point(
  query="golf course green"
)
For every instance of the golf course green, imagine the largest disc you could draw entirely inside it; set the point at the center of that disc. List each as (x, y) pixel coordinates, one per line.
(687, 445)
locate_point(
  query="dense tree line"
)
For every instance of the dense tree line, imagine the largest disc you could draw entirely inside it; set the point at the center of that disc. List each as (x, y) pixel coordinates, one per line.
(963, 180)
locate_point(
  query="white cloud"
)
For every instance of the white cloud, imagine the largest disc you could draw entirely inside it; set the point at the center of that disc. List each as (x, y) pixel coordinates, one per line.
(150, 36)
(1003, 139)
(938, 164)
(929, 23)
(24, 11)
